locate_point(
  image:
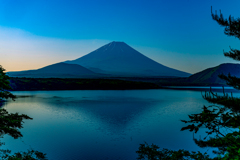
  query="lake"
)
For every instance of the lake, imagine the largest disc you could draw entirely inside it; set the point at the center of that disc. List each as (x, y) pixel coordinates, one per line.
(104, 124)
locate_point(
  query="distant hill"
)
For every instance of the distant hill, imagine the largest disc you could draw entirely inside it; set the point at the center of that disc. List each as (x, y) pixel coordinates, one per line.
(210, 75)
(58, 70)
(119, 59)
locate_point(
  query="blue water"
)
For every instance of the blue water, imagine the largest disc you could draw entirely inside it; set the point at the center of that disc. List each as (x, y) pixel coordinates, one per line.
(72, 125)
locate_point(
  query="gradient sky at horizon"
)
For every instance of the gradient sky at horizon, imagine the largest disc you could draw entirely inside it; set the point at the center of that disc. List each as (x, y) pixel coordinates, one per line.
(176, 33)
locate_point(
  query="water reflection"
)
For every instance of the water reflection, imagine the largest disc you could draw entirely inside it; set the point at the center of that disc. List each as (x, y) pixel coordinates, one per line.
(104, 124)
(112, 111)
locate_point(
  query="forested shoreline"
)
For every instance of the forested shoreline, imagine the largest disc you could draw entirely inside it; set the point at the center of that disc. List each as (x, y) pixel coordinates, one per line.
(118, 83)
(31, 84)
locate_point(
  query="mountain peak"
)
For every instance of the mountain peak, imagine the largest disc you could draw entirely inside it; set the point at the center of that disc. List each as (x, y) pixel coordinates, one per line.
(116, 43)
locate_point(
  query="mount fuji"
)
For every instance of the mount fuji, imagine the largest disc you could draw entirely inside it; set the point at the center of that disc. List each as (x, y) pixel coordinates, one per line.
(119, 59)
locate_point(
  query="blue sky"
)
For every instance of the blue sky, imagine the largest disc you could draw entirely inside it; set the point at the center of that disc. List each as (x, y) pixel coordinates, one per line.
(177, 33)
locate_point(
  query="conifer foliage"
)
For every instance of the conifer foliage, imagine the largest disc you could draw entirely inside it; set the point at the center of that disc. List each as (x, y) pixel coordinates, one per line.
(222, 118)
(4, 86)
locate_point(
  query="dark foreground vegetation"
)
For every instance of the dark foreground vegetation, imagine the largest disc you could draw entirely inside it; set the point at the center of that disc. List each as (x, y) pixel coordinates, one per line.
(30, 84)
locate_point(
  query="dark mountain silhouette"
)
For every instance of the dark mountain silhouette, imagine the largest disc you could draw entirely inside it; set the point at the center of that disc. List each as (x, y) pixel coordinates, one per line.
(119, 59)
(58, 70)
(210, 75)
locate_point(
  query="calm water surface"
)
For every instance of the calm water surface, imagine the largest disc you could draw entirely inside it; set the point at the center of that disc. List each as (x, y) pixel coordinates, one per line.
(72, 125)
